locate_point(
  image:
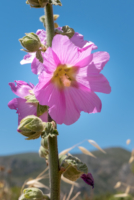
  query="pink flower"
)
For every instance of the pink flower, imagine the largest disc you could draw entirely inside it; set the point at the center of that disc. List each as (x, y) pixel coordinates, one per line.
(22, 89)
(71, 77)
(36, 66)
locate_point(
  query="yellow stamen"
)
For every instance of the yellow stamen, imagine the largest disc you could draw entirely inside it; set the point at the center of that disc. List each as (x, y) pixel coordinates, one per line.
(64, 76)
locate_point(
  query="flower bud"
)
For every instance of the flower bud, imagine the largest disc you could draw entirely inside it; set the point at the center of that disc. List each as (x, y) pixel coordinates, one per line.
(43, 153)
(68, 31)
(44, 142)
(30, 42)
(37, 3)
(31, 127)
(34, 193)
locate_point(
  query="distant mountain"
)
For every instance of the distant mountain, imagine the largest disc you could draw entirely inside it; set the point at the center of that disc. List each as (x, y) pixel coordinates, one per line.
(106, 169)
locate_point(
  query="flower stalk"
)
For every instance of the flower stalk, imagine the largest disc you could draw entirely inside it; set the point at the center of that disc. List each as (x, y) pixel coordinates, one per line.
(54, 173)
(49, 24)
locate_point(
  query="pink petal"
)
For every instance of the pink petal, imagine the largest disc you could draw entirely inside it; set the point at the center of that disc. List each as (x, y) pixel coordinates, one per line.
(85, 99)
(95, 82)
(28, 58)
(54, 98)
(42, 35)
(72, 112)
(37, 67)
(78, 40)
(69, 54)
(98, 62)
(44, 79)
(99, 83)
(25, 109)
(44, 117)
(51, 61)
(88, 44)
(21, 88)
(13, 104)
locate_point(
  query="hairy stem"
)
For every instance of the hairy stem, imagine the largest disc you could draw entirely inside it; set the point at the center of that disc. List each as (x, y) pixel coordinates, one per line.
(49, 24)
(52, 141)
(54, 169)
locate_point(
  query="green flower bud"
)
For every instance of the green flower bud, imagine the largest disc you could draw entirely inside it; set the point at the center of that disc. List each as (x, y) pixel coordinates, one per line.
(43, 20)
(44, 142)
(30, 42)
(73, 167)
(37, 3)
(34, 193)
(43, 153)
(50, 129)
(68, 31)
(31, 127)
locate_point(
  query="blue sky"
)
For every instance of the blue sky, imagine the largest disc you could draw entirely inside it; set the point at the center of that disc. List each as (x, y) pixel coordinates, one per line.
(110, 25)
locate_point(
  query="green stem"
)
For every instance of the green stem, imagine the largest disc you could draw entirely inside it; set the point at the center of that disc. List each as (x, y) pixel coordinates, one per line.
(49, 24)
(54, 173)
(54, 169)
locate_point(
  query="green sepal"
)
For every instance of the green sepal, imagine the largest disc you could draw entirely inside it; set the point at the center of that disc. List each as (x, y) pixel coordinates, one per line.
(44, 142)
(55, 2)
(43, 19)
(33, 193)
(31, 127)
(30, 42)
(31, 99)
(66, 30)
(35, 125)
(41, 109)
(74, 168)
(43, 152)
(37, 3)
(39, 56)
(50, 129)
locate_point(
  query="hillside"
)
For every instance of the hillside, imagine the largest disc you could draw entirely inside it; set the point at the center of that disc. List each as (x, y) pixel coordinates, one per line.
(106, 169)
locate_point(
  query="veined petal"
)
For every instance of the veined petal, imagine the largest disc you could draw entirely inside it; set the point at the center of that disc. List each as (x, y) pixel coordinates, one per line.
(28, 58)
(95, 82)
(13, 104)
(25, 109)
(21, 88)
(51, 96)
(37, 67)
(72, 112)
(69, 54)
(42, 35)
(51, 61)
(78, 40)
(98, 62)
(85, 99)
(99, 83)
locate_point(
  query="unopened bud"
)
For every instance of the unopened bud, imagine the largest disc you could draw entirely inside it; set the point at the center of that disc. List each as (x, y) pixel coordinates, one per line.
(50, 129)
(31, 127)
(68, 31)
(37, 3)
(43, 153)
(30, 42)
(44, 142)
(34, 193)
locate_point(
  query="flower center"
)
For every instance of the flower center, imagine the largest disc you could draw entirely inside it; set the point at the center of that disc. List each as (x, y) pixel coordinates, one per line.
(64, 76)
